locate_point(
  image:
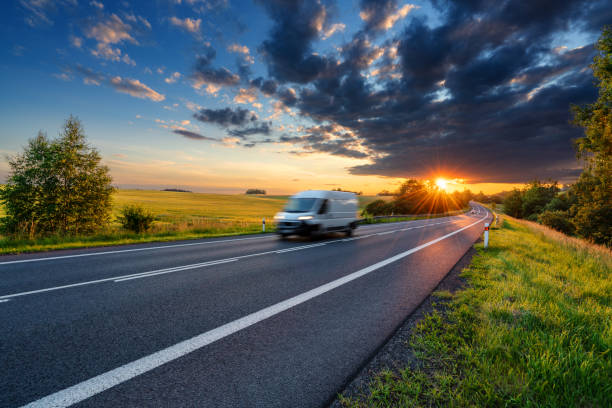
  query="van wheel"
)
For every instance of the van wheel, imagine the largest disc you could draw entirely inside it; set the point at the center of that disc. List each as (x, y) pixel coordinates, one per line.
(283, 237)
(349, 231)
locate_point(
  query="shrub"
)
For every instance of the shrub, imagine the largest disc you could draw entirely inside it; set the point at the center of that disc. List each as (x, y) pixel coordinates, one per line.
(136, 218)
(558, 220)
(379, 207)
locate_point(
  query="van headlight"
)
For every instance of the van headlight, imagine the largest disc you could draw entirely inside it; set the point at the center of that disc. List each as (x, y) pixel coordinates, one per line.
(279, 217)
(305, 217)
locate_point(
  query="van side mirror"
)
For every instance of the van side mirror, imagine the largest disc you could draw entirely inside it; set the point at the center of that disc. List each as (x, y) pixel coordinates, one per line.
(323, 208)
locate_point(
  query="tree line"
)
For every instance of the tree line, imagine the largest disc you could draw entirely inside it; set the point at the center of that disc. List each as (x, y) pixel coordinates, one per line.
(419, 197)
(585, 208)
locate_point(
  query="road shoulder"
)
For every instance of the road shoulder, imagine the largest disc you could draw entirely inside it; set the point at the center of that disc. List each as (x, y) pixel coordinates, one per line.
(394, 355)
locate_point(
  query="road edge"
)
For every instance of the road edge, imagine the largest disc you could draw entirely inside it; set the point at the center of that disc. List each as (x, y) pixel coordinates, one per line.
(392, 354)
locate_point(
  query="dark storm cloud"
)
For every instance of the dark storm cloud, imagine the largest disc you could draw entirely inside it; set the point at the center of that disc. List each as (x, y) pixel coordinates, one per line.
(288, 51)
(483, 95)
(204, 72)
(192, 135)
(226, 116)
(263, 129)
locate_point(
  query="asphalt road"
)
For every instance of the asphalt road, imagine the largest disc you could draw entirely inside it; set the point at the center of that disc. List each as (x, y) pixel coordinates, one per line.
(243, 321)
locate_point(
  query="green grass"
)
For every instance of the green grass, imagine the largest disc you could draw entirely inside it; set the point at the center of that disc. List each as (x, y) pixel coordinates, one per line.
(178, 216)
(532, 328)
(418, 217)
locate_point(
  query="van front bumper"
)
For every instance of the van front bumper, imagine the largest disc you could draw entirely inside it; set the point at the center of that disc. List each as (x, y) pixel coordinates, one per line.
(295, 228)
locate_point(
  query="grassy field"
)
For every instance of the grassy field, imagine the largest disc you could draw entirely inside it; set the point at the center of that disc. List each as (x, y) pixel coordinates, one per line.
(178, 216)
(532, 328)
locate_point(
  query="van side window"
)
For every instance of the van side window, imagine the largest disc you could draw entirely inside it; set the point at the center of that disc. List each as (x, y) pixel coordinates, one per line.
(324, 206)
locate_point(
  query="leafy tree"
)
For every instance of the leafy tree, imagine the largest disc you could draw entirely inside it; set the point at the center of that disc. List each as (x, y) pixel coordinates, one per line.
(593, 190)
(379, 207)
(57, 186)
(513, 204)
(536, 196)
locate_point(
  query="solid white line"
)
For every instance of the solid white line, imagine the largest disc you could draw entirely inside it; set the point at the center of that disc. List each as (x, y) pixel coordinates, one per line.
(109, 379)
(119, 251)
(4, 300)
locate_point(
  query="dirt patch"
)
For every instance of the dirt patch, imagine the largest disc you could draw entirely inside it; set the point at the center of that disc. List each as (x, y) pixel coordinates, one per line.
(395, 354)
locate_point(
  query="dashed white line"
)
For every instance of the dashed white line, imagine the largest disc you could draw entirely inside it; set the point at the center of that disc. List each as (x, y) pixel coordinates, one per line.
(109, 379)
(122, 278)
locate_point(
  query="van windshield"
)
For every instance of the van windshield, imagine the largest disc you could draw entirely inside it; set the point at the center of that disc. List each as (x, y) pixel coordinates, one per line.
(296, 205)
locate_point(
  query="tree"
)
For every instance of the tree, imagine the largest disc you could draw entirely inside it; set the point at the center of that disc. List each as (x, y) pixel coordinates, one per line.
(593, 208)
(536, 196)
(255, 191)
(57, 186)
(513, 204)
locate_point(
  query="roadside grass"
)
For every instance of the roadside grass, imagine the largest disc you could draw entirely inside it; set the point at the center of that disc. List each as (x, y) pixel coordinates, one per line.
(178, 216)
(532, 328)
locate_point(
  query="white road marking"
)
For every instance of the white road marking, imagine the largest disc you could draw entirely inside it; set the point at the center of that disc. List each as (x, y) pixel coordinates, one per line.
(109, 379)
(119, 251)
(138, 275)
(387, 232)
(4, 300)
(177, 269)
(282, 251)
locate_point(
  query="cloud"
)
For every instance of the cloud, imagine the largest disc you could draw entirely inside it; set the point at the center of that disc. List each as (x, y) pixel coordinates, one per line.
(332, 29)
(381, 15)
(173, 78)
(75, 41)
(135, 88)
(226, 116)
(97, 5)
(288, 52)
(188, 24)
(263, 129)
(245, 96)
(108, 32)
(242, 49)
(483, 94)
(193, 135)
(39, 11)
(205, 74)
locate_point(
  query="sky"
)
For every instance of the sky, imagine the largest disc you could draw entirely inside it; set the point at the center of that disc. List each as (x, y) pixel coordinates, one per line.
(225, 95)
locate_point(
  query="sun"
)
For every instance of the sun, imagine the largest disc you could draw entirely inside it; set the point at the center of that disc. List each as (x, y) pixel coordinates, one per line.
(442, 183)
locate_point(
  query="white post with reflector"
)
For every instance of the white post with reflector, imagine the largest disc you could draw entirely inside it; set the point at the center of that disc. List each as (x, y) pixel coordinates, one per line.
(486, 235)
(263, 224)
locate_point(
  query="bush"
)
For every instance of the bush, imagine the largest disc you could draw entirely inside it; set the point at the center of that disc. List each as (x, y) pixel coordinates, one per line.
(136, 218)
(379, 207)
(558, 220)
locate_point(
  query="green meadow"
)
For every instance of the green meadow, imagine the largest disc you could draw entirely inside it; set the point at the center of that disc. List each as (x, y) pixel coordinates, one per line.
(178, 215)
(533, 328)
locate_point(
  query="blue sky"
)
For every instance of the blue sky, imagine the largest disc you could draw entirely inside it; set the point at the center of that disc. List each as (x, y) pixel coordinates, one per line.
(172, 92)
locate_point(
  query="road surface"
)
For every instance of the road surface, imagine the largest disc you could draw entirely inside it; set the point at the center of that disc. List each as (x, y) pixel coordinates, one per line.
(240, 321)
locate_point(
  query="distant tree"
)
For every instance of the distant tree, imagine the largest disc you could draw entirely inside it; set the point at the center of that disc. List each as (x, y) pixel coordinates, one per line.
(385, 193)
(593, 208)
(348, 191)
(255, 191)
(513, 204)
(57, 186)
(536, 196)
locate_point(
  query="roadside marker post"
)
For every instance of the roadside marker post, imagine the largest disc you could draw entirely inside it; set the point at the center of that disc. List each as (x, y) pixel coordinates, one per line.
(263, 224)
(486, 235)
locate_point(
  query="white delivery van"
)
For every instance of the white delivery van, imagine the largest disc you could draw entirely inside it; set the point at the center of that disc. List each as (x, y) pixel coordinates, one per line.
(318, 212)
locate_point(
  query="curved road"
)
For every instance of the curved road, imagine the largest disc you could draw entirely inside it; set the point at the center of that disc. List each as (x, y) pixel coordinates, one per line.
(243, 321)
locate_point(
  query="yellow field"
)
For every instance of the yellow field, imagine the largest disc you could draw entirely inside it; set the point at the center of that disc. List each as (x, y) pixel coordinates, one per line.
(177, 216)
(172, 206)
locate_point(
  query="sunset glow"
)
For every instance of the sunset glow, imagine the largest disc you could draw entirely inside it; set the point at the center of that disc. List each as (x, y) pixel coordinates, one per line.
(442, 183)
